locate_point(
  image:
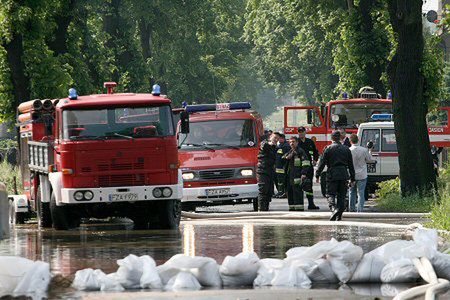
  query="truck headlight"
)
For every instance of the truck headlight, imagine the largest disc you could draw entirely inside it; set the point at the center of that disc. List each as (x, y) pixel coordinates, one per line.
(88, 195)
(167, 192)
(188, 176)
(247, 172)
(78, 196)
(157, 193)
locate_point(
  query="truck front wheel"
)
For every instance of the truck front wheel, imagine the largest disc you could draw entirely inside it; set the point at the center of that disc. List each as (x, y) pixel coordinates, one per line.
(60, 217)
(169, 214)
(43, 211)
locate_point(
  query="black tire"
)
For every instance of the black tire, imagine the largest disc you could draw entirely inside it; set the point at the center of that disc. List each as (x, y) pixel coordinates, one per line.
(169, 214)
(44, 215)
(323, 184)
(255, 204)
(60, 217)
(186, 206)
(20, 218)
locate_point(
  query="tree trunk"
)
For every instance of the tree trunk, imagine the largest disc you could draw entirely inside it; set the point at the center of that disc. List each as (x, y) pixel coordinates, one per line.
(59, 42)
(410, 107)
(20, 81)
(145, 38)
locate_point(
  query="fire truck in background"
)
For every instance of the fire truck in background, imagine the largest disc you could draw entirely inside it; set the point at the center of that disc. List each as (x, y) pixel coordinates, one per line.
(346, 113)
(100, 156)
(218, 157)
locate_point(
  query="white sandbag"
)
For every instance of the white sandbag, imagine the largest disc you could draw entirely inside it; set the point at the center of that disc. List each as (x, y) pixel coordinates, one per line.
(318, 270)
(183, 280)
(110, 283)
(402, 270)
(344, 259)
(441, 265)
(166, 272)
(368, 270)
(150, 278)
(239, 270)
(392, 290)
(266, 271)
(86, 280)
(319, 250)
(21, 276)
(291, 276)
(398, 249)
(296, 251)
(426, 237)
(205, 269)
(131, 269)
(35, 281)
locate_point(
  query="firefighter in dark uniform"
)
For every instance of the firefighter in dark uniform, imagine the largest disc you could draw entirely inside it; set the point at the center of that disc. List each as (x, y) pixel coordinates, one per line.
(265, 171)
(282, 148)
(339, 162)
(297, 167)
(310, 148)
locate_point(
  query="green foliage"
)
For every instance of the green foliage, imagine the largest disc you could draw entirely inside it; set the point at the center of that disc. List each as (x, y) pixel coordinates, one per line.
(7, 144)
(9, 174)
(441, 210)
(433, 71)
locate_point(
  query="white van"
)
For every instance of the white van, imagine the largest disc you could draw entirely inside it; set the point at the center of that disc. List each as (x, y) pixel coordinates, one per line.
(382, 135)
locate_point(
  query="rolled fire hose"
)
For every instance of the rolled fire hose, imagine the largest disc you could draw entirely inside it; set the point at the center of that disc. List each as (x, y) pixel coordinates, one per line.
(434, 286)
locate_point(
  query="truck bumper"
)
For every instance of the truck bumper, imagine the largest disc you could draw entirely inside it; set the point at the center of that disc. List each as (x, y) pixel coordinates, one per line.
(243, 191)
(121, 194)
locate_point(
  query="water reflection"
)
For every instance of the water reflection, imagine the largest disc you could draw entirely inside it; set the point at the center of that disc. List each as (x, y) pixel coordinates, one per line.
(101, 246)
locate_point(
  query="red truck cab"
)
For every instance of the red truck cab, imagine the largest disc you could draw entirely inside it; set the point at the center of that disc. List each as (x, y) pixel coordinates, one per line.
(218, 157)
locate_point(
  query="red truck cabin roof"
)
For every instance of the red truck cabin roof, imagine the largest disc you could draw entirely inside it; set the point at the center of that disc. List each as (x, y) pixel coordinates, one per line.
(113, 100)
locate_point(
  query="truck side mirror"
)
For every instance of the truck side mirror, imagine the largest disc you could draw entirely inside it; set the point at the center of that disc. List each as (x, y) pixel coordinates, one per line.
(184, 122)
(309, 116)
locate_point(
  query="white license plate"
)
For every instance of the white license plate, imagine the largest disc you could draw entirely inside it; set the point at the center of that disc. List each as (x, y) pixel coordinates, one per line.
(123, 197)
(371, 168)
(217, 192)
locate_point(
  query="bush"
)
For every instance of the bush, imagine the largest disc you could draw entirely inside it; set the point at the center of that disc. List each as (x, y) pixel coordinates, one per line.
(7, 174)
(440, 213)
(391, 200)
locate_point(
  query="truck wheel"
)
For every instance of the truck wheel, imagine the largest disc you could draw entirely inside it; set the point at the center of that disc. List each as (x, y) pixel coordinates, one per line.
(170, 214)
(43, 211)
(59, 214)
(255, 204)
(323, 184)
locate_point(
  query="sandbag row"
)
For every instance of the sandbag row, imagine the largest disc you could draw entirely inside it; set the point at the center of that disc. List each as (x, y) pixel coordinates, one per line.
(325, 262)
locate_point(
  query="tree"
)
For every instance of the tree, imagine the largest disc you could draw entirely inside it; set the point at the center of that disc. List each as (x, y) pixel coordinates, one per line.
(410, 105)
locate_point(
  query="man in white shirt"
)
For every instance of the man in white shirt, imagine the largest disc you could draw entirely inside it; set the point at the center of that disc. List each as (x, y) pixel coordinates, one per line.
(361, 157)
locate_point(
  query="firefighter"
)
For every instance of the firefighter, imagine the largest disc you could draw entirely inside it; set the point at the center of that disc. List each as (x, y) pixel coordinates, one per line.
(297, 167)
(282, 148)
(265, 171)
(339, 162)
(310, 148)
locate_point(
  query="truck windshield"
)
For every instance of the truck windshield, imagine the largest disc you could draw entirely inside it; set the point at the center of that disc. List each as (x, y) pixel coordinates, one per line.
(219, 134)
(352, 114)
(118, 123)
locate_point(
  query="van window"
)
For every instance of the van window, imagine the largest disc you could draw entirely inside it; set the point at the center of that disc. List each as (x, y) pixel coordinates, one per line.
(388, 141)
(299, 117)
(371, 135)
(438, 118)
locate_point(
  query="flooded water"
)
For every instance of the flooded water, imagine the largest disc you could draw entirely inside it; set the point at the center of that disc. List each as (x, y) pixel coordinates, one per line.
(100, 245)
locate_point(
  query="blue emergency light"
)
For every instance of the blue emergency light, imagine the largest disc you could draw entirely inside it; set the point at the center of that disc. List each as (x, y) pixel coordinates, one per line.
(156, 90)
(217, 107)
(73, 94)
(382, 117)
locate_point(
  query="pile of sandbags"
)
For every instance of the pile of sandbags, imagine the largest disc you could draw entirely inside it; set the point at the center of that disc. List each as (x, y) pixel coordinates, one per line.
(325, 262)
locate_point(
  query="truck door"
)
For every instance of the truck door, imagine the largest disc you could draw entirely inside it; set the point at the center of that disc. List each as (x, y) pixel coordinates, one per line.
(389, 165)
(308, 117)
(373, 135)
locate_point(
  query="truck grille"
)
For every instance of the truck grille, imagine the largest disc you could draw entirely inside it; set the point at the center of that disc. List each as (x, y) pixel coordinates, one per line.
(217, 174)
(120, 167)
(121, 180)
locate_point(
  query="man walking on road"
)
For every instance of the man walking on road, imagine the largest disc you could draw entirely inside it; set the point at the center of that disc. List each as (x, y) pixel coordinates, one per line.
(311, 151)
(361, 157)
(282, 148)
(297, 167)
(339, 162)
(265, 171)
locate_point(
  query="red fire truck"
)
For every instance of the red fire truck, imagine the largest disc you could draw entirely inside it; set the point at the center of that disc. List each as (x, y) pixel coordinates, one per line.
(349, 113)
(100, 156)
(218, 157)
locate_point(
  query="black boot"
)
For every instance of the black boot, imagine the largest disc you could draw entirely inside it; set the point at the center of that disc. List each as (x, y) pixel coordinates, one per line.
(335, 215)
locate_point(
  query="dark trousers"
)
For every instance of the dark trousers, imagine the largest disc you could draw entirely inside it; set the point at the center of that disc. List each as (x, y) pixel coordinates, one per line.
(295, 196)
(337, 191)
(275, 182)
(310, 194)
(281, 183)
(265, 187)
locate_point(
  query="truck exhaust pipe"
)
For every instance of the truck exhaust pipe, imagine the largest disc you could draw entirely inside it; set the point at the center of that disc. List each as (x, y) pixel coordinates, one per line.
(47, 104)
